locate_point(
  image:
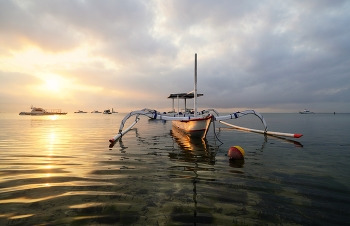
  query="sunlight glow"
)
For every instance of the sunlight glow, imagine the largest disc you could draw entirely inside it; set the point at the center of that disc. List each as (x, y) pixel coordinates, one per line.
(20, 216)
(52, 137)
(53, 117)
(27, 60)
(52, 85)
(52, 75)
(52, 82)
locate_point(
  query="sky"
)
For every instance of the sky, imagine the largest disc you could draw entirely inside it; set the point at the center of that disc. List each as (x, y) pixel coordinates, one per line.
(270, 56)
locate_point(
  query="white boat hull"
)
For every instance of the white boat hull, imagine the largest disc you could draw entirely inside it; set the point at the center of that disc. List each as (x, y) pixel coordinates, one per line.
(306, 112)
(40, 113)
(193, 127)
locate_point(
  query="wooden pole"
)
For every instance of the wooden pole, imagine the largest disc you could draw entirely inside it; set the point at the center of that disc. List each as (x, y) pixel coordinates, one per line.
(195, 84)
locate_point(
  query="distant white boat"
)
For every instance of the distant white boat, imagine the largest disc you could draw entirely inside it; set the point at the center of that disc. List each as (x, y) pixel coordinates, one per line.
(79, 111)
(95, 111)
(306, 112)
(42, 111)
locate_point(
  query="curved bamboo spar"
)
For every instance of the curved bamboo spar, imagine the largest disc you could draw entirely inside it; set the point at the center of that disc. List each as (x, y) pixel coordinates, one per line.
(242, 113)
(116, 137)
(296, 135)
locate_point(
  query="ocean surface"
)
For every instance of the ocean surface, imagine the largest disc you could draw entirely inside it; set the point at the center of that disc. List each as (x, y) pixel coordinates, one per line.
(61, 170)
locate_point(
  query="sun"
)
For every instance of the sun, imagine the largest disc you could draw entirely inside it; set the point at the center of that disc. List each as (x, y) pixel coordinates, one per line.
(53, 85)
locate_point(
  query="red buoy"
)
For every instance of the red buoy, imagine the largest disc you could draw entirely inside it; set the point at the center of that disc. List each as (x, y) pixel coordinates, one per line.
(236, 153)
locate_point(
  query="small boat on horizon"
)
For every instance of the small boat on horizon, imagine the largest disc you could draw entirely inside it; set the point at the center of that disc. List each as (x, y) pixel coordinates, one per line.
(42, 111)
(80, 111)
(95, 111)
(306, 112)
(107, 112)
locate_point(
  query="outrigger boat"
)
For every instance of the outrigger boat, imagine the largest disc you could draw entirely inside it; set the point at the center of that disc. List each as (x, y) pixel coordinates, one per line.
(193, 123)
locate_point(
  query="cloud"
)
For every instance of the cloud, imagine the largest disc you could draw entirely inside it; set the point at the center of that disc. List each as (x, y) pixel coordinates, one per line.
(251, 54)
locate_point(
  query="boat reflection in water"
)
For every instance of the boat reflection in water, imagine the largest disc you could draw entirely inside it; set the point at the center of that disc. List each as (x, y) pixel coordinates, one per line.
(192, 149)
(197, 150)
(194, 156)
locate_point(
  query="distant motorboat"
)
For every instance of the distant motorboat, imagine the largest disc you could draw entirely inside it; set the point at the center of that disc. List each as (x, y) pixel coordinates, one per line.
(79, 111)
(96, 111)
(306, 112)
(107, 112)
(42, 111)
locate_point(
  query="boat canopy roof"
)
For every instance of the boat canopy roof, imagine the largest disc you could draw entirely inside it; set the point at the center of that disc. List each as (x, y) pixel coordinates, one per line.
(183, 95)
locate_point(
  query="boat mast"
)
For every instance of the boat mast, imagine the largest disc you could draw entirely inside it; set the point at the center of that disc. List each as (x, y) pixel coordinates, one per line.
(178, 108)
(195, 84)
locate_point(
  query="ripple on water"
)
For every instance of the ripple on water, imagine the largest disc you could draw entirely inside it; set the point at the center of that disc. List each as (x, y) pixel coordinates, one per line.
(62, 172)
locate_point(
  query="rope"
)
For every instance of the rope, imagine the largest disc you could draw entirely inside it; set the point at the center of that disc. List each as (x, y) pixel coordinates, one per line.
(213, 121)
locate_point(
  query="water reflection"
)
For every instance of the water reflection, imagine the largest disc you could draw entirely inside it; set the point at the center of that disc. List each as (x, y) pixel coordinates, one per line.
(53, 117)
(192, 149)
(60, 172)
(296, 143)
(285, 139)
(236, 164)
(120, 140)
(194, 160)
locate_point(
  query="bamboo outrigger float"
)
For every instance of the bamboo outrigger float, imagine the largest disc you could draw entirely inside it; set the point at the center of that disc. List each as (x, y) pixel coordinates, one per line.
(194, 123)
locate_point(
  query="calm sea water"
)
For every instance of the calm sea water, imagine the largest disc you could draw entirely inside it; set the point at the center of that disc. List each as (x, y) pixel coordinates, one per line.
(60, 170)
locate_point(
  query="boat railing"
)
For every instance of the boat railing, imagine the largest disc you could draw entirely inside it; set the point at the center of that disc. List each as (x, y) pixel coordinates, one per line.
(53, 110)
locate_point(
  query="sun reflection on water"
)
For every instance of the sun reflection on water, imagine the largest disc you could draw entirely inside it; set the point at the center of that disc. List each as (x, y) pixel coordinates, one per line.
(53, 117)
